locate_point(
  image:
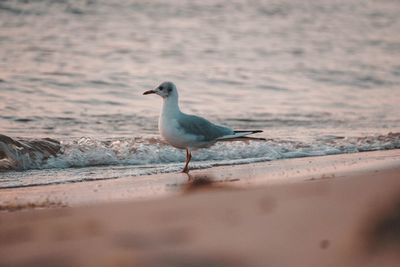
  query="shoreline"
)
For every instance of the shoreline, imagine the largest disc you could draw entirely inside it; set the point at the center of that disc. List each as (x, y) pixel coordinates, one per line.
(142, 188)
(312, 219)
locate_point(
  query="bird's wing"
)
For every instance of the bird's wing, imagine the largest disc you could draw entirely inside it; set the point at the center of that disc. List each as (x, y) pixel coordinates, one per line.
(206, 130)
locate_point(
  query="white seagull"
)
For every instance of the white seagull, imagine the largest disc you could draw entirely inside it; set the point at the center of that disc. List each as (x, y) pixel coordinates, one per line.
(188, 131)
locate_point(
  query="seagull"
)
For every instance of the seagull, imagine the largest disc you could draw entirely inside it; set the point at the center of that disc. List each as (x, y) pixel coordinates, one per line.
(190, 132)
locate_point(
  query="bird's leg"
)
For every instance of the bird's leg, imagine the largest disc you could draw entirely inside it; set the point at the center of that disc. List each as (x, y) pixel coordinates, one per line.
(188, 158)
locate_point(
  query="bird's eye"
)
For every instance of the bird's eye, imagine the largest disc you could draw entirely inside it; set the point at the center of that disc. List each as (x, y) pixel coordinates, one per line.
(161, 88)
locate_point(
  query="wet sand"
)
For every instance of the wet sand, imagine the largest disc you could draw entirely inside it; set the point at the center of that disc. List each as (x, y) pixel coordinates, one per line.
(334, 211)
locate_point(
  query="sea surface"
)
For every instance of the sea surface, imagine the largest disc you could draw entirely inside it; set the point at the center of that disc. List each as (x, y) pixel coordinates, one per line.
(319, 77)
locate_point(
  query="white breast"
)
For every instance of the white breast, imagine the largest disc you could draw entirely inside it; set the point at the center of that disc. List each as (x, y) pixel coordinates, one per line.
(169, 127)
(169, 132)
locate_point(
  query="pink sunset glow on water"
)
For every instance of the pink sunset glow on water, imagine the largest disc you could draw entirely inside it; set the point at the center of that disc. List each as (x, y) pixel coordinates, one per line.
(319, 77)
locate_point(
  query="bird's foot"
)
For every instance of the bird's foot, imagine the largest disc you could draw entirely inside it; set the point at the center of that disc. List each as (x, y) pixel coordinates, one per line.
(185, 170)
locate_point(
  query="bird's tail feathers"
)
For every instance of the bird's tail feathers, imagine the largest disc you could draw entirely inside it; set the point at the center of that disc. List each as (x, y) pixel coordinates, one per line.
(242, 138)
(241, 135)
(249, 131)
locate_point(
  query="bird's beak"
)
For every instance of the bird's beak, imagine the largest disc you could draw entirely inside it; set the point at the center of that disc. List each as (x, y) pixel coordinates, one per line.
(149, 92)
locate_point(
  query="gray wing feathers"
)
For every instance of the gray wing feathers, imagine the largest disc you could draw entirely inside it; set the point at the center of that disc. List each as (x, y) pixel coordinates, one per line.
(199, 126)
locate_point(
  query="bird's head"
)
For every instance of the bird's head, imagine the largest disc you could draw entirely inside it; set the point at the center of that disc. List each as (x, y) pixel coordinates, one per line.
(164, 90)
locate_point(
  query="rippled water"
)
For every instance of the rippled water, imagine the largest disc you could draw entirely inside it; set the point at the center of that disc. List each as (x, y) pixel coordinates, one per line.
(302, 71)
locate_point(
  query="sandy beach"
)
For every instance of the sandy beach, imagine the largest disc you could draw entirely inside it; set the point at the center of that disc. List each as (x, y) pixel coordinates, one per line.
(340, 210)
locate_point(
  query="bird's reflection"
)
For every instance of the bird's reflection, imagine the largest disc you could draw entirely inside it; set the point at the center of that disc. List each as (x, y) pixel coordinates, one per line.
(203, 182)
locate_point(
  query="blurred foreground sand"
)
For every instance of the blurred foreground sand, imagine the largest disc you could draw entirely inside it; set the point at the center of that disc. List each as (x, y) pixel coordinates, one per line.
(351, 219)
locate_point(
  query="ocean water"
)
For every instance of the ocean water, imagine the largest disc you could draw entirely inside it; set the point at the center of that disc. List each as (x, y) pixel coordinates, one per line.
(319, 77)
